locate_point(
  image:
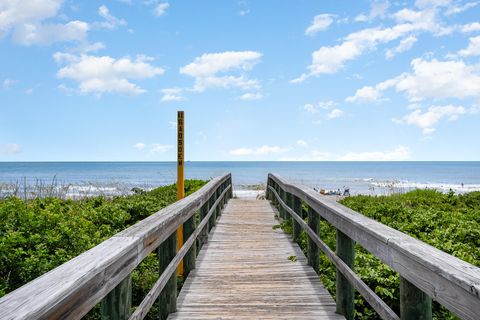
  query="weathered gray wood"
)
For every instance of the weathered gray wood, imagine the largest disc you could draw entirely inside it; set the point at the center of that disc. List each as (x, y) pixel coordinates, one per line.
(297, 207)
(449, 280)
(244, 272)
(167, 301)
(204, 231)
(375, 302)
(345, 293)
(142, 310)
(191, 256)
(414, 303)
(213, 218)
(313, 250)
(118, 303)
(72, 289)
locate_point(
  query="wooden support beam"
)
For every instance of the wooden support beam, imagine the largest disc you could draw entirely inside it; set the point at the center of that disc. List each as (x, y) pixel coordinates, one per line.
(118, 303)
(414, 303)
(189, 259)
(297, 207)
(345, 292)
(168, 297)
(313, 250)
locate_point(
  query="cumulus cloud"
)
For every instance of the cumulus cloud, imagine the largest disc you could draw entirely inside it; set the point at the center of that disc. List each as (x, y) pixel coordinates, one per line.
(473, 48)
(8, 83)
(26, 19)
(160, 148)
(314, 155)
(471, 27)
(335, 113)
(428, 119)
(30, 34)
(331, 59)
(102, 74)
(251, 96)
(161, 8)
(457, 8)
(321, 105)
(378, 9)
(430, 79)
(209, 70)
(139, 146)
(263, 150)
(320, 22)
(172, 94)
(110, 22)
(404, 45)
(11, 148)
(400, 153)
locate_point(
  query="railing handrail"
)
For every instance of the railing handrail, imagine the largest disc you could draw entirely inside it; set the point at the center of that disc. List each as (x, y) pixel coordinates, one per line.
(452, 282)
(75, 287)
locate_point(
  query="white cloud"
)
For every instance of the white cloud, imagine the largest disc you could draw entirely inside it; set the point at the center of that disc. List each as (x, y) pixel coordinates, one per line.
(331, 59)
(139, 146)
(11, 148)
(427, 120)
(432, 3)
(301, 143)
(430, 79)
(160, 148)
(251, 96)
(405, 45)
(371, 94)
(400, 153)
(29, 34)
(102, 74)
(263, 150)
(473, 48)
(207, 70)
(320, 22)
(335, 113)
(110, 22)
(321, 105)
(243, 13)
(26, 19)
(456, 8)
(8, 83)
(160, 9)
(471, 27)
(172, 94)
(14, 13)
(378, 9)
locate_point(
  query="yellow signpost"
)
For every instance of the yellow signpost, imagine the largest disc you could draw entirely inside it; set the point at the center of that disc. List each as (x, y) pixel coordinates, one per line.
(180, 178)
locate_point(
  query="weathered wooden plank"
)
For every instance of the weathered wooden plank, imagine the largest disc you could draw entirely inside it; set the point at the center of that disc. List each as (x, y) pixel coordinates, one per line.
(344, 290)
(244, 272)
(72, 289)
(449, 280)
(313, 250)
(118, 303)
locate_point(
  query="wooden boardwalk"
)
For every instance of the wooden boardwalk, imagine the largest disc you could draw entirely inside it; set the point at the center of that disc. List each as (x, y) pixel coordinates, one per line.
(244, 272)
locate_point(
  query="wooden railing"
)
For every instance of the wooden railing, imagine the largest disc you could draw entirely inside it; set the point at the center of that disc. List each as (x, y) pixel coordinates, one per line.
(102, 274)
(425, 272)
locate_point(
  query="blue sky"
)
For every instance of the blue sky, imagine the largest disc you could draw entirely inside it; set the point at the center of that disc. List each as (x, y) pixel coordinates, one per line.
(258, 80)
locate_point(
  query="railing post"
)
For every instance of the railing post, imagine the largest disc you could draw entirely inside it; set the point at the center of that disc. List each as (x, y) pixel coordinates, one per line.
(218, 211)
(313, 250)
(204, 232)
(213, 217)
(289, 201)
(283, 214)
(345, 292)
(297, 207)
(118, 303)
(414, 303)
(168, 297)
(267, 190)
(189, 259)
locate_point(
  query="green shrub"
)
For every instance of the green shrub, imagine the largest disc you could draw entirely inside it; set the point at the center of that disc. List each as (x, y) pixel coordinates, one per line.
(40, 234)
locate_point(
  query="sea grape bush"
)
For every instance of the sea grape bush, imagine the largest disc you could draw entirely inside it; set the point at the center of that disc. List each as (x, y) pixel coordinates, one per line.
(39, 234)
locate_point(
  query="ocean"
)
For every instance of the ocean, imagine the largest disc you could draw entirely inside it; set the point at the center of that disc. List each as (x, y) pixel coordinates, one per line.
(86, 178)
